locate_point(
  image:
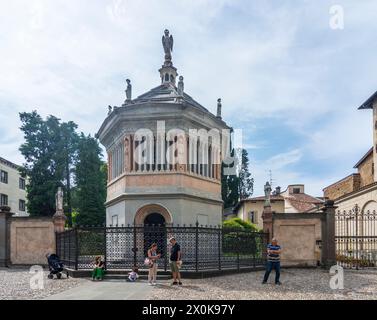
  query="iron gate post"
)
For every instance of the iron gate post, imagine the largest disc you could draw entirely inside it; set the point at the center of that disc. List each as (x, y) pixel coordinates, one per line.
(219, 244)
(77, 249)
(238, 252)
(197, 246)
(105, 247)
(135, 249)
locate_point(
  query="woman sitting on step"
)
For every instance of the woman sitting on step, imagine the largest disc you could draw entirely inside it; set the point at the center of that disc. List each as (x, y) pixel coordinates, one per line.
(99, 269)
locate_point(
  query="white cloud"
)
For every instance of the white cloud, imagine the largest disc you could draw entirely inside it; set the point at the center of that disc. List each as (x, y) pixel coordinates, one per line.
(266, 60)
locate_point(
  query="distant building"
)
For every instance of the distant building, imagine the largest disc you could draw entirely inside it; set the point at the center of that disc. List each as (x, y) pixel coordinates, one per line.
(293, 199)
(12, 188)
(361, 187)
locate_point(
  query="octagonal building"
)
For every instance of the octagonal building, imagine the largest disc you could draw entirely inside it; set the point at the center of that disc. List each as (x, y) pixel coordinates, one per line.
(158, 172)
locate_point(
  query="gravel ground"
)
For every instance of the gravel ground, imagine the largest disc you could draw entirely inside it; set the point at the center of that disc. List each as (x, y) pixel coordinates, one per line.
(15, 285)
(298, 284)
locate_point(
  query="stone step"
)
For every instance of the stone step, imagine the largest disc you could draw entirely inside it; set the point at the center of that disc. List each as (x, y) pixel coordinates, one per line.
(113, 276)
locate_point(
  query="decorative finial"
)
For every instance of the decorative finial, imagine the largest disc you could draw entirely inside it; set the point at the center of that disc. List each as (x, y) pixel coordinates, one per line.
(129, 91)
(219, 106)
(181, 86)
(110, 110)
(167, 43)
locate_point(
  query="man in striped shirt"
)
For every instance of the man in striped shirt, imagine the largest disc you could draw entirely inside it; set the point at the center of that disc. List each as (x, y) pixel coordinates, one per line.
(273, 261)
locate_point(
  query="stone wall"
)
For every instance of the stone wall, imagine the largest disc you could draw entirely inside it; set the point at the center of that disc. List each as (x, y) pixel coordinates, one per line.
(343, 187)
(366, 171)
(362, 198)
(30, 239)
(299, 235)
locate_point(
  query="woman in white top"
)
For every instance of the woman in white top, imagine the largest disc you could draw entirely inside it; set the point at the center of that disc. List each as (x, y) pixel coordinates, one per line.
(153, 257)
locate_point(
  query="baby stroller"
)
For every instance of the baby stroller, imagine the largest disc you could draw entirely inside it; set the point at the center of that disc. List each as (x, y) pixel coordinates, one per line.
(55, 266)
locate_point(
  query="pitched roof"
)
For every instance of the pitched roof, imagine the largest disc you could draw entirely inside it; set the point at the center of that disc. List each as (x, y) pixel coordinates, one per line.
(369, 103)
(370, 151)
(166, 93)
(303, 202)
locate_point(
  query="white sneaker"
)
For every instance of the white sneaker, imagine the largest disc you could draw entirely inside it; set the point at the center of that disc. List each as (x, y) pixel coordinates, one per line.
(154, 284)
(150, 283)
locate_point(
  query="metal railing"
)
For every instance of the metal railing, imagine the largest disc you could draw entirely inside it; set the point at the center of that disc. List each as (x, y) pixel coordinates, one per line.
(203, 248)
(356, 238)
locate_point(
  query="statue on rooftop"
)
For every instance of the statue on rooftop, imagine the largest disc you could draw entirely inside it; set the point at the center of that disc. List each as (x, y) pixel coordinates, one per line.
(167, 43)
(219, 106)
(129, 90)
(110, 110)
(181, 86)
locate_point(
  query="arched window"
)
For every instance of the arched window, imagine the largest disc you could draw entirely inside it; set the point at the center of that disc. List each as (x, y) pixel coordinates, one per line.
(166, 77)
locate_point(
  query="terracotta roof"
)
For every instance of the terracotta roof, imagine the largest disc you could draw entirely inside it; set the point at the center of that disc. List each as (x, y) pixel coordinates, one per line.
(303, 202)
(370, 151)
(262, 198)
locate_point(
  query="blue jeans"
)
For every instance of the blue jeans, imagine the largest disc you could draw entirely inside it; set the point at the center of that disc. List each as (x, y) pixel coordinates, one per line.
(270, 266)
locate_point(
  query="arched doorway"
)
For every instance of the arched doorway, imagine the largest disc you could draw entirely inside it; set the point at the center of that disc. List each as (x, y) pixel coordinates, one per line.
(155, 232)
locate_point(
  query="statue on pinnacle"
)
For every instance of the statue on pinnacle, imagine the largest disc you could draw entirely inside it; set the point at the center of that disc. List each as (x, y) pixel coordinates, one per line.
(167, 43)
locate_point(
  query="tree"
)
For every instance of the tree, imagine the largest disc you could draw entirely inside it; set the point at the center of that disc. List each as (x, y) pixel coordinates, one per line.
(91, 177)
(239, 185)
(229, 185)
(68, 145)
(42, 162)
(49, 149)
(245, 182)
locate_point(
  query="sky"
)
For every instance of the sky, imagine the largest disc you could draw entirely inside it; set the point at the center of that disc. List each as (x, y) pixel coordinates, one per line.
(287, 77)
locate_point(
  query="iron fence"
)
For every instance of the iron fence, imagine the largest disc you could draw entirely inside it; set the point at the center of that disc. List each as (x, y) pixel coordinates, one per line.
(203, 248)
(356, 238)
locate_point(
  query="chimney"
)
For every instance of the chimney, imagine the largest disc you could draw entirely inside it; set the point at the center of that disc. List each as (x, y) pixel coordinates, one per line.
(278, 191)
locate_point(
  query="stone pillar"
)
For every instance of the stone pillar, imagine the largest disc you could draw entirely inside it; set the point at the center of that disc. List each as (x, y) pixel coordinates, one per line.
(328, 257)
(127, 153)
(5, 214)
(267, 222)
(59, 220)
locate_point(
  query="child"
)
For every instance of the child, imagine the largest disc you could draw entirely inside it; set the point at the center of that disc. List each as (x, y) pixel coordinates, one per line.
(133, 275)
(99, 269)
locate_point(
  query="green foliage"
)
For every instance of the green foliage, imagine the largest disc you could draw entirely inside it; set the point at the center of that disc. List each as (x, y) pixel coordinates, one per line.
(44, 150)
(241, 237)
(240, 185)
(245, 182)
(57, 156)
(90, 192)
(238, 223)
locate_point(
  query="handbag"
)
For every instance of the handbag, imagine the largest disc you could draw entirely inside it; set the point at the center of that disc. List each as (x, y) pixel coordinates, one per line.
(147, 262)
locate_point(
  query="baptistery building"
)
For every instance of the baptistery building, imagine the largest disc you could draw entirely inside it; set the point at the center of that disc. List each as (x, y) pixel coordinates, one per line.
(164, 154)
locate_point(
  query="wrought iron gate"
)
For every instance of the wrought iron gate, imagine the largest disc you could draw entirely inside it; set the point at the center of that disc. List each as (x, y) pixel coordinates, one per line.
(356, 238)
(203, 248)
